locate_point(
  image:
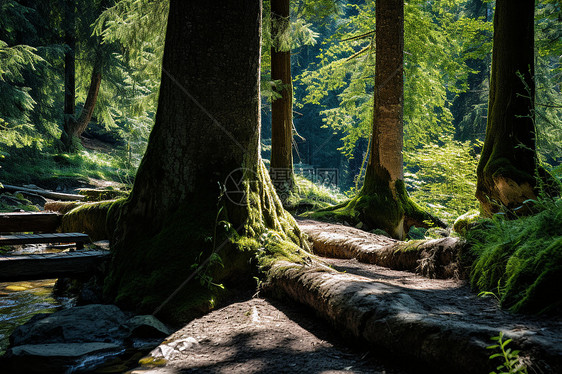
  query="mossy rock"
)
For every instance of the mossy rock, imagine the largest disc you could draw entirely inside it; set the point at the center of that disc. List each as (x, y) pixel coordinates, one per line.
(463, 223)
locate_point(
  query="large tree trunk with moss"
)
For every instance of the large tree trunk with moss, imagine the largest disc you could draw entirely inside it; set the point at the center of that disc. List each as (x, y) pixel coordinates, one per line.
(201, 167)
(383, 202)
(281, 166)
(508, 164)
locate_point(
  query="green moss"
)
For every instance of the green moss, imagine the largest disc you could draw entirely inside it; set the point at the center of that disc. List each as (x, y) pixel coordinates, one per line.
(521, 260)
(376, 207)
(463, 222)
(165, 268)
(151, 361)
(90, 218)
(307, 196)
(100, 195)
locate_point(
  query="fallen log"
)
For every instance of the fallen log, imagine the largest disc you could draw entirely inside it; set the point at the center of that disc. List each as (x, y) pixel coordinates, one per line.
(45, 193)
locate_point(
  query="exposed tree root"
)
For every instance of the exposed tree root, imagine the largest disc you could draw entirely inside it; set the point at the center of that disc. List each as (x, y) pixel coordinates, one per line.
(388, 316)
(436, 258)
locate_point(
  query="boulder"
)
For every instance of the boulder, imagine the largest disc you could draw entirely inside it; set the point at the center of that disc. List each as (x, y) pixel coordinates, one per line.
(54, 357)
(79, 338)
(146, 327)
(89, 323)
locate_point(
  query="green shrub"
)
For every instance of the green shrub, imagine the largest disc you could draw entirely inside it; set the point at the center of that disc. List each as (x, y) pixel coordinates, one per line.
(442, 177)
(310, 196)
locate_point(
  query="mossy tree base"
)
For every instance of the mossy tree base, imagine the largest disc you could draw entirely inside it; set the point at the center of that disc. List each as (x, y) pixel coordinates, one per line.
(392, 212)
(198, 256)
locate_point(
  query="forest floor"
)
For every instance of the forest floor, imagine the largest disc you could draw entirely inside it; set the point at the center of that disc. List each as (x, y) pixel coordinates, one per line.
(267, 336)
(263, 336)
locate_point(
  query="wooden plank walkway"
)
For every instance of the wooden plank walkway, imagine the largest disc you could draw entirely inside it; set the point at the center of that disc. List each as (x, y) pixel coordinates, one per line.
(50, 265)
(30, 221)
(65, 237)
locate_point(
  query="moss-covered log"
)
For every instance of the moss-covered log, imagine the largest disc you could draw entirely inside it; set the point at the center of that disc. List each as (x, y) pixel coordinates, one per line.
(201, 192)
(508, 171)
(435, 258)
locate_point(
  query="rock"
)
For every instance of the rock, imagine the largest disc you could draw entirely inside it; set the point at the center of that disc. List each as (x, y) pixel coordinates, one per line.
(147, 326)
(52, 358)
(79, 338)
(174, 349)
(89, 323)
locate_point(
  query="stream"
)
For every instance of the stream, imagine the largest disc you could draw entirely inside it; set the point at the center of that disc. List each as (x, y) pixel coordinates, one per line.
(19, 301)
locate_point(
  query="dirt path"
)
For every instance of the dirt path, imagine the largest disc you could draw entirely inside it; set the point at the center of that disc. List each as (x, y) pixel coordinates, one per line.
(262, 336)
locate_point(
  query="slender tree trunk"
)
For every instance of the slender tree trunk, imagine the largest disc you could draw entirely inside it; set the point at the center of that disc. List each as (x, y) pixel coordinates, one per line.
(281, 166)
(468, 121)
(74, 129)
(508, 164)
(69, 73)
(91, 99)
(383, 202)
(386, 145)
(201, 166)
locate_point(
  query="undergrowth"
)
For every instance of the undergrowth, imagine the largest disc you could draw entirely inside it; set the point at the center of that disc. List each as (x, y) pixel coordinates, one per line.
(310, 196)
(29, 165)
(521, 260)
(511, 362)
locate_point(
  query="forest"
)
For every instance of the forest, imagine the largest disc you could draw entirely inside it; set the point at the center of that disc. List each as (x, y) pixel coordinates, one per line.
(281, 186)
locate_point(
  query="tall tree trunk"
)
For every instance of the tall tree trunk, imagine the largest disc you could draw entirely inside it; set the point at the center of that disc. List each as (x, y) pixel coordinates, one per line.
(281, 166)
(508, 165)
(201, 166)
(383, 202)
(385, 173)
(69, 72)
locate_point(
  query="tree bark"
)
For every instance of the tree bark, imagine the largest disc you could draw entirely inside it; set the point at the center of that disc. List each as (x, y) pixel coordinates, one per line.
(69, 73)
(201, 166)
(508, 164)
(383, 202)
(281, 165)
(74, 129)
(385, 169)
(91, 99)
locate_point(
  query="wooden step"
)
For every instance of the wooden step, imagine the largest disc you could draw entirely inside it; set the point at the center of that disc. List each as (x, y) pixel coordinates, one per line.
(30, 222)
(49, 265)
(65, 237)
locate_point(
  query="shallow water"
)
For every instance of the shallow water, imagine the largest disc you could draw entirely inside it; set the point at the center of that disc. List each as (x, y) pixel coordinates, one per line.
(19, 301)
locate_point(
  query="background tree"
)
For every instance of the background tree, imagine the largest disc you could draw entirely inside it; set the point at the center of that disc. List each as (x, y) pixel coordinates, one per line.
(383, 202)
(508, 168)
(94, 55)
(69, 73)
(206, 135)
(281, 162)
